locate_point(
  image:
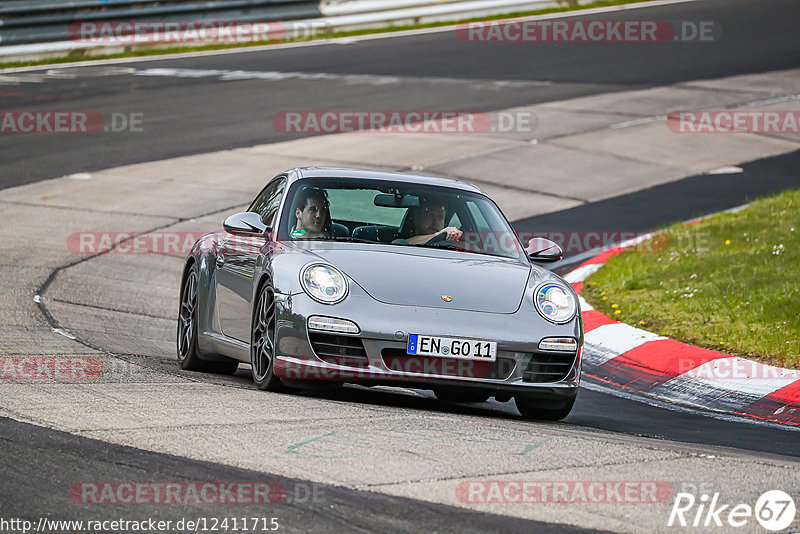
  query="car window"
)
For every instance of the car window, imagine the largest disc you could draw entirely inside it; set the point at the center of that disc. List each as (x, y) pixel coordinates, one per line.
(268, 202)
(481, 224)
(358, 205)
(398, 213)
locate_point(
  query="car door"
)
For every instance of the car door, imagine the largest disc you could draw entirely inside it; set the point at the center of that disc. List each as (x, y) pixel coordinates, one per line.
(236, 265)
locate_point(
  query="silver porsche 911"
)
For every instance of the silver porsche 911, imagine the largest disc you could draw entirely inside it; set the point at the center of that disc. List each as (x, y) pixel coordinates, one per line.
(339, 276)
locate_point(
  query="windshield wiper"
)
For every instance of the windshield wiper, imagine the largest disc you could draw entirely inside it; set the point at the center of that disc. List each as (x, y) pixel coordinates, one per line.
(355, 240)
(450, 245)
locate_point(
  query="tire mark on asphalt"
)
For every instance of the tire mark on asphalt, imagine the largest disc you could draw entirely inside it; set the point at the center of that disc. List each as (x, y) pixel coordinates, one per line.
(107, 308)
(83, 209)
(42, 290)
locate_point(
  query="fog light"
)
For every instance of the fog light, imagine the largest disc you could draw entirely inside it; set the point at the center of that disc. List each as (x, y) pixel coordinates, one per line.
(330, 324)
(561, 344)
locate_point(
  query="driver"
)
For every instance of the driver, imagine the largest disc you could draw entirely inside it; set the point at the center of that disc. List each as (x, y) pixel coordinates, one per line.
(428, 222)
(312, 211)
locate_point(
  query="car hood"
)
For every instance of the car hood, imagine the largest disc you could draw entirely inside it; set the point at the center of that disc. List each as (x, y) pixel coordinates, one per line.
(429, 277)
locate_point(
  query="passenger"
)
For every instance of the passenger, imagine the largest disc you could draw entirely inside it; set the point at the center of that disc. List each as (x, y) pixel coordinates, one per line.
(427, 221)
(312, 211)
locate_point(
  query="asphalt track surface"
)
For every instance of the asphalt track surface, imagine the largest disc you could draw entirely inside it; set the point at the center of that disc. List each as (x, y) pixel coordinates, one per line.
(196, 115)
(301, 507)
(201, 115)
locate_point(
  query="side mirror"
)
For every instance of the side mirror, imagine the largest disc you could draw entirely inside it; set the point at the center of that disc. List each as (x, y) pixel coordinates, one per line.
(543, 250)
(246, 224)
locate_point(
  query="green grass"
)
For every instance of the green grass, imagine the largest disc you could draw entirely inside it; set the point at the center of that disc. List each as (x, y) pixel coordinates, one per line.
(80, 55)
(731, 283)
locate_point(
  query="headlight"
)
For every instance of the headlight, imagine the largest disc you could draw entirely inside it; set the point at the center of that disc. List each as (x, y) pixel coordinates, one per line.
(555, 303)
(324, 283)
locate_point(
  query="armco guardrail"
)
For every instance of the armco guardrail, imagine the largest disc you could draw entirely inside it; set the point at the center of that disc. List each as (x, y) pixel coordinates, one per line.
(345, 15)
(351, 7)
(31, 30)
(41, 21)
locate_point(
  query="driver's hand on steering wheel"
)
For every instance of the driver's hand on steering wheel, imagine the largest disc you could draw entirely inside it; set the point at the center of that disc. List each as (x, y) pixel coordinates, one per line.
(453, 233)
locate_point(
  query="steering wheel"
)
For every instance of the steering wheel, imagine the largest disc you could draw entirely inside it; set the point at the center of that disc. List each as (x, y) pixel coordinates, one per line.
(442, 241)
(438, 238)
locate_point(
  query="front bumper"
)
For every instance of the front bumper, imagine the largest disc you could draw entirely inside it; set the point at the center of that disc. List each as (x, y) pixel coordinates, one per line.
(377, 355)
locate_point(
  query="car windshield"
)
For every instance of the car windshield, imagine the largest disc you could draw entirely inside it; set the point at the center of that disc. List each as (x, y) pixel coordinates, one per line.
(396, 213)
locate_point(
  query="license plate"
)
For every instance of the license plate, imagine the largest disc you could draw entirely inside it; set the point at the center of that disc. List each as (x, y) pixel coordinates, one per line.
(452, 347)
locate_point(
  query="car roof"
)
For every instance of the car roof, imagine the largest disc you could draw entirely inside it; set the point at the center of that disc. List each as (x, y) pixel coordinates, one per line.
(302, 173)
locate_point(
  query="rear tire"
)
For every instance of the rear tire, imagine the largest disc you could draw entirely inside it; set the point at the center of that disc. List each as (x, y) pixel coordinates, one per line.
(460, 395)
(187, 333)
(262, 341)
(541, 410)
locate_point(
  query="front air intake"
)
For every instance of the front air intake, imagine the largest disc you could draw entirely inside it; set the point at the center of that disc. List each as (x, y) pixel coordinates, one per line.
(548, 367)
(339, 350)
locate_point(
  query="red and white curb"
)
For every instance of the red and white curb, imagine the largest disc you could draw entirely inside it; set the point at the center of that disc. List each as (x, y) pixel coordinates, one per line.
(646, 363)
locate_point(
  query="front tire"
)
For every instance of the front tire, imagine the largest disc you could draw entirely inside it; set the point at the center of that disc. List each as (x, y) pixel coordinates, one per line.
(187, 333)
(262, 342)
(537, 409)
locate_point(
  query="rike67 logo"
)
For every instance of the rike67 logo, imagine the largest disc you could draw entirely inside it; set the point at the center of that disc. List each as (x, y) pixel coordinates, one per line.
(774, 510)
